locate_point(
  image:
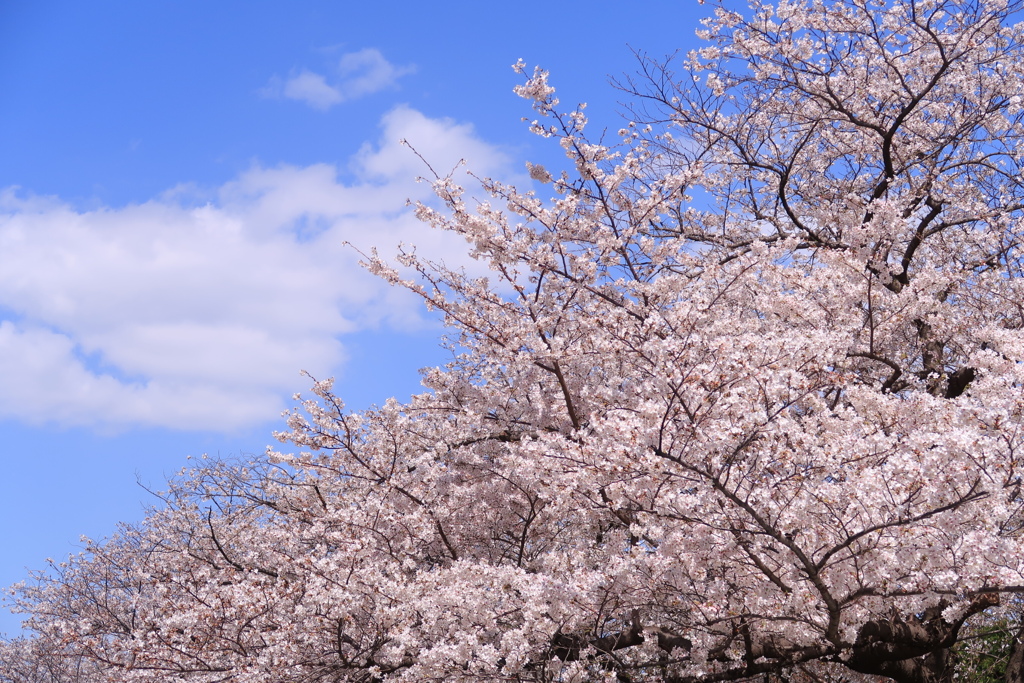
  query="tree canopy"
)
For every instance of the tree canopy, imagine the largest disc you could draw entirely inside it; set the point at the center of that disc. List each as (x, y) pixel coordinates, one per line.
(743, 398)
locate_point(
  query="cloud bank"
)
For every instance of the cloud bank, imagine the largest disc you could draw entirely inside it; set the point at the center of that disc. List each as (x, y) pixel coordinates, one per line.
(356, 74)
(191, 315)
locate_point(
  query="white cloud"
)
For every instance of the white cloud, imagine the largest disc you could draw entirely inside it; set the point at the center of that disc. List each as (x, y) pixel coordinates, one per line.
(200, 316)
(357, 74)
(442, 142)
(312, 89)
(366, 71)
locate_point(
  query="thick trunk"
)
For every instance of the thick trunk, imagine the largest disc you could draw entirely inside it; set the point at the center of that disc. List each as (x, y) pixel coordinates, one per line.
(1015, 666)
(916, 650)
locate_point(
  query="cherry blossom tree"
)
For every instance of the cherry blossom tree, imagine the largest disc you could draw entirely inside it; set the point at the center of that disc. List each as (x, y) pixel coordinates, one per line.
(743, 399)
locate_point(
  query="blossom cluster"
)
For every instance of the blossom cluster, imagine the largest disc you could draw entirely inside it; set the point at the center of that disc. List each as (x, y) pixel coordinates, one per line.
(744, 398)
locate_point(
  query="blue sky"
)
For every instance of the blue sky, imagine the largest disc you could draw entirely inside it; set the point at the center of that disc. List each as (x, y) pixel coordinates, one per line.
(177, 180)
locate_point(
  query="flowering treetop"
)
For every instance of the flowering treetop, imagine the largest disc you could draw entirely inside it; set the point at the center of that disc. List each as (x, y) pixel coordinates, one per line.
(742, 398)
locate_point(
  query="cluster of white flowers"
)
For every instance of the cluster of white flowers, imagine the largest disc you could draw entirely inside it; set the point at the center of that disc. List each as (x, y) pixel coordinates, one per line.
(745, 398)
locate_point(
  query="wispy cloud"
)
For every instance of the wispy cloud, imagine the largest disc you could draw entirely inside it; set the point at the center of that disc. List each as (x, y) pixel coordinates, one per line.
(355, 75)
(199, 316)
(366, 71)
(312, 89)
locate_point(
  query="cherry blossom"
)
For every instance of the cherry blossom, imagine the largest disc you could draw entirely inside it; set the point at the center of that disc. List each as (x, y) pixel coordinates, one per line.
(742, 399)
